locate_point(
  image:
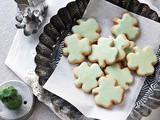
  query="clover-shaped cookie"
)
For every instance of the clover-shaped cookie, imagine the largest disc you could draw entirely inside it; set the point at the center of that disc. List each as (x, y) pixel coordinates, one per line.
(142, 60)
(104, 53)
(108, 93)
(121, 43)
(87, 76)
(76, 48)
(127, 25)
(123, 76)
(88, 29)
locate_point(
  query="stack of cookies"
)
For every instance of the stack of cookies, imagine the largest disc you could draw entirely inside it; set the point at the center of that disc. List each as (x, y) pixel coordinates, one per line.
(108, 74)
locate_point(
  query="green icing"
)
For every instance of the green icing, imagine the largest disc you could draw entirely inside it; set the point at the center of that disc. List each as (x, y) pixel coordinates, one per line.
(120, 43)
(107, 92)
(127, 51)
(142, 59)
(76, 48)
(130, 48)
(103, 53)
(123, 76)
(87, 76)
(126, 26)
(10, 97)
(87, 29)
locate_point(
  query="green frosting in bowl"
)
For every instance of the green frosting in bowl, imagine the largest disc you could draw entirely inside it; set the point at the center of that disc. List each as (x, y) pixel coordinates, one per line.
(10, 97)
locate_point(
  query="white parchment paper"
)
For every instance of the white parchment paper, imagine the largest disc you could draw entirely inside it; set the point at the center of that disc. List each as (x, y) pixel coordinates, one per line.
(61, 81)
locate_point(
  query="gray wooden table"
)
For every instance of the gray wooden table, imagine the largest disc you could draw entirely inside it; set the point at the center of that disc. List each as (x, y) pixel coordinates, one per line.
(8, 12)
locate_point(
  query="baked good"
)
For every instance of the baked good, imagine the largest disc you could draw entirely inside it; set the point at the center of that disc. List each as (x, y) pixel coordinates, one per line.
(142, 61)
(123, 76)
(108, 93)
(87, 76)
(104, 53)
(76, 48)
(127, 25)
(88, 29)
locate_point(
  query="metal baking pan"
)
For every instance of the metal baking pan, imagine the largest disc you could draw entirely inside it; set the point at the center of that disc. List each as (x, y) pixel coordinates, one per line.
(49, 52)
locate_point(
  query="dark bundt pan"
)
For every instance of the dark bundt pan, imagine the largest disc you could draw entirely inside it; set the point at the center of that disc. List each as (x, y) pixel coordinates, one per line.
(49, 54)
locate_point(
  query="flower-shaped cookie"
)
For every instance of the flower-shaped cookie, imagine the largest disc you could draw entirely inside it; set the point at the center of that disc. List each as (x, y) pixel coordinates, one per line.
(121, 43)
(87, 76)
(142, 60)
(104, 53)
(76, 48)
(108, 93)
(88, 29)
(123, 76)
(127, 25)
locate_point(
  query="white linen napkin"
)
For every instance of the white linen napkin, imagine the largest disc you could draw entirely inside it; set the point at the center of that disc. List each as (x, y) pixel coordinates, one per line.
(61, 81)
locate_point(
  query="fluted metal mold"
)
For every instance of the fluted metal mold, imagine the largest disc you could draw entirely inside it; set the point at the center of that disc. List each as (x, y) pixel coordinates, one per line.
(51, 41)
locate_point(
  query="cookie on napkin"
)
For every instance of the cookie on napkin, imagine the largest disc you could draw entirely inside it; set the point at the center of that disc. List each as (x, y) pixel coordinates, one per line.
(123, 76)
(127, 25)
(121, 43)
(76, 48)
(88, 29)
(108, 93)
(104, 52)
(142, 61)
(87, 76)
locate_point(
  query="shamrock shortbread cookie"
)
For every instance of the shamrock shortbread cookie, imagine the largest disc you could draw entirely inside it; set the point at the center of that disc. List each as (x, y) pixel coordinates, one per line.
(127, 25)
(103, 52)
(87, 76)
(123, 76)
(121, 43)
(108, 93)
(142, 60)
(76, 48)
(127, 51)
(88, 29)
